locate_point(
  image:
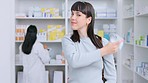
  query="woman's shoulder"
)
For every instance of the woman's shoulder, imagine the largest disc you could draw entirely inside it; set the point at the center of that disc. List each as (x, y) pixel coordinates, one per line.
(67, 38)
(37, 43)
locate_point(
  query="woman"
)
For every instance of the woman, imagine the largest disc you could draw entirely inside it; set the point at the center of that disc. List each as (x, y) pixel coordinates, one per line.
(84, 50)
(34, 57)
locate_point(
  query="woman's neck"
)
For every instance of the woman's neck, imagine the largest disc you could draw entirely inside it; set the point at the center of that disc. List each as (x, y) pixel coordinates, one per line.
(83, 32)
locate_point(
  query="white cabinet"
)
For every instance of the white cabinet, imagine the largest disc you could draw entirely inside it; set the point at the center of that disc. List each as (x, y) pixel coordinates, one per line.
(52, 20)
(134, 53)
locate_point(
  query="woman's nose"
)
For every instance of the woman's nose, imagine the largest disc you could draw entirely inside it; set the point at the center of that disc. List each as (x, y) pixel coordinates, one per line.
(73, 16)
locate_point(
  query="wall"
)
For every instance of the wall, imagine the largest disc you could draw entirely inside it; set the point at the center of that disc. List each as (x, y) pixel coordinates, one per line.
(7, 41)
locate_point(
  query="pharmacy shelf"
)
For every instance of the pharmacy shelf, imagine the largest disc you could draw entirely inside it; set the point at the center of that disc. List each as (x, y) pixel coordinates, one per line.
(142, 46)
(128, 43)
(129, 17)
(105, 18)
(146, 78)
(142, 14)
(136, 23)
(40, 18)
(53, 41)
(45, 64)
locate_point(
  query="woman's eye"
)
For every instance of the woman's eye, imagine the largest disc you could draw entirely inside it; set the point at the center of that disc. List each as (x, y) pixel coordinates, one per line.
(78, 15)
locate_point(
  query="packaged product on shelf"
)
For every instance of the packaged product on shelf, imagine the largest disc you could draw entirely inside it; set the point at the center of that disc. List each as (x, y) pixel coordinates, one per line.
(112, 28)
(43, 12)
(37, 12)
(30, 12)
(58, 57)
(60, 31)
(20, 15)
(106, 27)
(17, 31)
(47, 12)
(51, 12)
(139, 70)
(58, 61)
(111, 12)
(142, 41)
(41, 36)
(143, 69)
(52, 61)
(101, 33)
(101, 12)
(56, 12)
(20, 32)
(51, 32)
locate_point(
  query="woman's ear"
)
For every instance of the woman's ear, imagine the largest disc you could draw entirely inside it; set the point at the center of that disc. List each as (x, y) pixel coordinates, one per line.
(89, 20)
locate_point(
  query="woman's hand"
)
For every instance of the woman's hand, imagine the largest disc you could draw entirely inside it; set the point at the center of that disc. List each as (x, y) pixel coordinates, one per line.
(110, 48)
(45, 46)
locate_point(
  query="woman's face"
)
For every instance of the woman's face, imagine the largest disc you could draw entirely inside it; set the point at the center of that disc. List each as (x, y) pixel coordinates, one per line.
(78, 20)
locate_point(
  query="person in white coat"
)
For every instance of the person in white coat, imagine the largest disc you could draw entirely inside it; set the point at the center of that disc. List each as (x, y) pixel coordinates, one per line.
(34, 57)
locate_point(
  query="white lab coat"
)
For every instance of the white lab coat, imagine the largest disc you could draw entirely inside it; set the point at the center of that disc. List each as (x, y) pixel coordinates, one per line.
(33, 64)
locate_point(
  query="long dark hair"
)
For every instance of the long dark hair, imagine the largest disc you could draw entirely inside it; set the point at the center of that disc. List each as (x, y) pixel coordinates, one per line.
(87, 9)
(30, 39)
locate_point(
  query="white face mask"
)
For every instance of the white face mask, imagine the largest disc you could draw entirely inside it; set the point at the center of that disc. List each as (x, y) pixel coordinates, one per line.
(115, 37)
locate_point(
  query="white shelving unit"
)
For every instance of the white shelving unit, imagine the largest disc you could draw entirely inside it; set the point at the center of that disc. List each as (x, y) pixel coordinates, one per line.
(135, 50)
(141, 51)
(127, 52)
(22, 8)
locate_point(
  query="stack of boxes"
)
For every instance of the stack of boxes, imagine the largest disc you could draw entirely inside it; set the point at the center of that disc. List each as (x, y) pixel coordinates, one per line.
(59, 59)
(20, 32)
(106, 12)
(142, 41)
(107, 30)
(40, 12)
(143, 69)
(53, 32)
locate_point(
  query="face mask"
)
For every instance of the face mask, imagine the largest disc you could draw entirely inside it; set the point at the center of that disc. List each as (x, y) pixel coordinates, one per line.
(115, 37)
